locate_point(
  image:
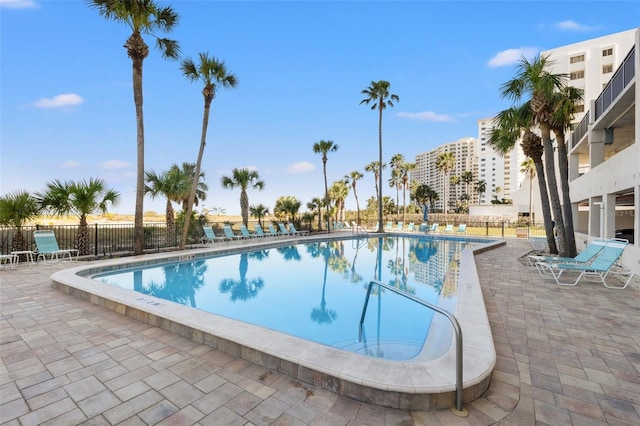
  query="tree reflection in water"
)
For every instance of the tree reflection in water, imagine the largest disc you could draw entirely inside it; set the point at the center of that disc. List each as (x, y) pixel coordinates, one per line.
(242, 289)
(290, 253)
(321, 314)
(181, 282)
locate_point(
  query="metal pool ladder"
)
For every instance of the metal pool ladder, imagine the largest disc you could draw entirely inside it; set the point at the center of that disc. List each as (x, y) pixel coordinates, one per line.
(459, 410)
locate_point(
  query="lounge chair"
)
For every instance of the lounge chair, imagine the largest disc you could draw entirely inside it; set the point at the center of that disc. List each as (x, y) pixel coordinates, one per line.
(272, 231)
(603, 264)
(11, 258)
(283, 229)
(245, 232)
(448, 229)
(400, 226)
(210, 236)
(294, 231)
(388, 226)
(259, 231)
(357, 229)
(462, 229)
(434, 227)
(584, 256)
(48, 247)
(228, 232)
(411, 227)
(538, 243)
(423, 227)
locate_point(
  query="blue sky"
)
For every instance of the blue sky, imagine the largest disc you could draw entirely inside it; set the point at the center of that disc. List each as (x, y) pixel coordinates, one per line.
(67, 108)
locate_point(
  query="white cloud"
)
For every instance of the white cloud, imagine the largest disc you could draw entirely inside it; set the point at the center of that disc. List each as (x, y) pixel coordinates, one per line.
(571, 26)
(427, 116)
(301, 167)
(71, 164)
(67, 99)
(115, 164)
(512, 56)
(18, 4)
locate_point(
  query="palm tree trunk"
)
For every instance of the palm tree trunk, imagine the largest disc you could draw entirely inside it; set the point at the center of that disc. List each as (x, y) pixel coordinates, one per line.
(138, 234)
(546, 208)
(563, 165)
(380, 219)
(244, 207)
(82, 237)
(171, 224)
(196, 172)
(552, 184)
(326, 192)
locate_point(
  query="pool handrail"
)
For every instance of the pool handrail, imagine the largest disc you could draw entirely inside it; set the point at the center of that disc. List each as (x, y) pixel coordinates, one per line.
(456, 327)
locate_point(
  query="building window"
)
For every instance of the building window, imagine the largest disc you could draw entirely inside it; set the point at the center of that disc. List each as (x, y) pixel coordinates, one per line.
(607, 52)
(606, 69)
(577, 58)
(576, 75)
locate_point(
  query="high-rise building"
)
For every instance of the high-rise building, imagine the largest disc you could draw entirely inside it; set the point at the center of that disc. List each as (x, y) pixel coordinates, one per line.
(465, 152)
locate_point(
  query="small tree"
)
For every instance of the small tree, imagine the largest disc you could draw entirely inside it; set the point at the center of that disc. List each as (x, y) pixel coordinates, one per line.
(17, 208)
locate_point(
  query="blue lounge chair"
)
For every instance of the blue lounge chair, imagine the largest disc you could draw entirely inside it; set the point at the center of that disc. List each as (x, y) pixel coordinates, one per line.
(272, 231)
(210, 236)
(294, 231)
(448, 228)
(462, 228)
(584, 256)
(228, 232)
(434, 227)
(283, 229)
(400, 226)
(48, 247)
(411, 227)
(259, 230)
(245, 232)
(603, 264)
(388, 226)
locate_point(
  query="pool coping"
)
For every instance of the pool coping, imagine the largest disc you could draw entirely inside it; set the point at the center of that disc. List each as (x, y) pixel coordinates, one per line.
(412, 384)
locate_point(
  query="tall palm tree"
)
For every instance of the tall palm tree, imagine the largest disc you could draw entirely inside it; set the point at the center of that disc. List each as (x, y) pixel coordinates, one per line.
(144, 17)
(466, 177)
(511, 125)
(213, 73)
(170, 184)
(445, 163)
(374, 167)
(339, 192)
(564, 110)
(260, 211)
(243, 179)
(323, 147)
(79, 199)
(481, 188)
(405, 170)
(17, 208)
(396, 163)
(533, 80)
(352, 178)
(187, 171)
(528, 167)
(377, 94)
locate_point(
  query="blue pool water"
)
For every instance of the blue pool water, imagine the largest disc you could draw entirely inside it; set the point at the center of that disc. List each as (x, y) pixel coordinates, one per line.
(316, 290)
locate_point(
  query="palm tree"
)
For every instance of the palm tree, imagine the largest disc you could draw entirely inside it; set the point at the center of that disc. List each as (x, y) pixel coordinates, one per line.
(455, 181)
(323, 147)
(171, 184)
(243, 179)
(339, 192)
(481, 188)
(144, 17)
(316, 203)
(352, 178)
(213, 73)
(466, 177)
(396, 181)
(378, 95)
(287, 207)
(79, 199)
(187, 171)
(535, 81)
(445, 163)
(17, 208)
(564, 111)
(259, 212)
(374, 167)
(406, 169)
(528, 167)
(498, 191)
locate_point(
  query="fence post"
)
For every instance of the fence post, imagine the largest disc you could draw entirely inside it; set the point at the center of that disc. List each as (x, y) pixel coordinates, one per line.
(502, 226)
(486, 229)
(95, 244)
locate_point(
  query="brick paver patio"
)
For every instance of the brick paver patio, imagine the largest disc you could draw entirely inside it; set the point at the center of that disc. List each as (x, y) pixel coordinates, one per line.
(566, 355)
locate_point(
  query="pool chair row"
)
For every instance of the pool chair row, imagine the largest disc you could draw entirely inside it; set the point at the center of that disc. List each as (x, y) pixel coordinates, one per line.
(448, 229)
(595, 263)
(229, 235)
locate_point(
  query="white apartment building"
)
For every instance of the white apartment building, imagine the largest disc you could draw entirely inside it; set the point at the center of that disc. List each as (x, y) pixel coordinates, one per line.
(498, 171)
(465, 151)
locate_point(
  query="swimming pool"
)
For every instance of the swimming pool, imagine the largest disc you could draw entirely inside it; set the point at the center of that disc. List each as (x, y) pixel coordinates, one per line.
(315, 290)
(412, 384)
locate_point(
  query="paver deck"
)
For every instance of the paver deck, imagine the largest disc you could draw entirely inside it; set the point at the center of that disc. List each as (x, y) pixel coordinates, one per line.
(565, 356)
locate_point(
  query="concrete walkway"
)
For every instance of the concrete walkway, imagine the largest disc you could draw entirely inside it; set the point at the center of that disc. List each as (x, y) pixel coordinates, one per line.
(566, 355)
